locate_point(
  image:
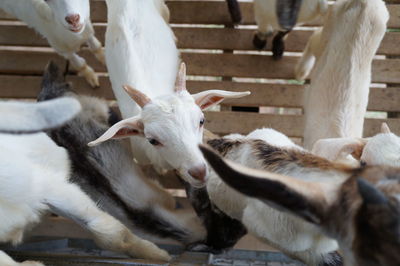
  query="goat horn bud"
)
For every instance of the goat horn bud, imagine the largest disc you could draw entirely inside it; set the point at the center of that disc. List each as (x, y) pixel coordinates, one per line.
(180, 84)
(139, 97)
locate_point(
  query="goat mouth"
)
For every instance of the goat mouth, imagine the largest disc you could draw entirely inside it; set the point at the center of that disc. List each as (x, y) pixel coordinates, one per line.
(77, 28)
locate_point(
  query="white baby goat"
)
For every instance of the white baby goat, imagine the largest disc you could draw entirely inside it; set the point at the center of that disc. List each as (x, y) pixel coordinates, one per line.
(282, 15)
(171, 127)
(34, 175)
(65, 24)
(381, 149)
(336, 100)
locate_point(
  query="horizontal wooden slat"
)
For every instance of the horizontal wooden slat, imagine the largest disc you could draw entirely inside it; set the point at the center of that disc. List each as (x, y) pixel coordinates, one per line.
(278, 95)
(214, 13)
(291, 125)
(195, 38)
(229, 65)
(188, 12)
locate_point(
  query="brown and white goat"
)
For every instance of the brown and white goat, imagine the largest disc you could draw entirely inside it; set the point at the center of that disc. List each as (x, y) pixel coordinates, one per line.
(267, 149)
(362, 211)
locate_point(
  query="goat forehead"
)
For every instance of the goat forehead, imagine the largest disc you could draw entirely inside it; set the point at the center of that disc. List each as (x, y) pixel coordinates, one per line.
(69, 7)
(384, 143)
(173, 108)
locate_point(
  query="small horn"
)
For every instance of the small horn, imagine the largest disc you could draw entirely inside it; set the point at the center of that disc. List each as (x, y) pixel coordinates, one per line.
(139, 97)
(180, 84)
(385, 128)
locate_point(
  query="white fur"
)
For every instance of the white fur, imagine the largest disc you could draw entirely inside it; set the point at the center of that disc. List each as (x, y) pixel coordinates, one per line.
(19, 117)
(48, 18)
(336, 100)
(382, 149)
(34, 174)
(140, 52)
(283, 231)
(267, 21)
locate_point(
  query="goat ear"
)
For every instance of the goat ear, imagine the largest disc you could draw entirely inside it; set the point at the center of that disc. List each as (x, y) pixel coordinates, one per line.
(370, 194)
(378, 212)
(22, 118)
(43, 9)
(123, 129)
(206, 99)
(385, 128)
(281, 192)
(339, 148)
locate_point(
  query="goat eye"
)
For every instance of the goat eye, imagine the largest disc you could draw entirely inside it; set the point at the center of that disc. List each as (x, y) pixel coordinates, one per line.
(363, 163)
(202, 122)
(154, 142)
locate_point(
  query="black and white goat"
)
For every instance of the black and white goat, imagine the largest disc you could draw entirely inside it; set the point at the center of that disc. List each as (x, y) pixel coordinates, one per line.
(283, 15)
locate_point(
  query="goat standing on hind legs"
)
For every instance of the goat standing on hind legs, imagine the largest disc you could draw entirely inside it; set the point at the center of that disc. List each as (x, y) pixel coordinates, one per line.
(335, 102)
(283, 15)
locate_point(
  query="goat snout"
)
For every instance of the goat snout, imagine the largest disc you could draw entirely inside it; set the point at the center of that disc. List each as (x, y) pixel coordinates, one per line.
(73, 19)
(198, 172)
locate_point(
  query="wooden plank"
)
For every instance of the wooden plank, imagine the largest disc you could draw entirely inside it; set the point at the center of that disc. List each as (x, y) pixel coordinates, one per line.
(15, 86)
(228, 65)
(213, 12)
(195, 38)
(278, 95)
(33, 62)
(257, 66)
(188, 12)
(291, 125)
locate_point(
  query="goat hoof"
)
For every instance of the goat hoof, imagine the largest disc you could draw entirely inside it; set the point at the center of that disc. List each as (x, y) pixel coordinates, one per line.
(278, 47)
(149, 250)
(31, 263)
(331, 259)
(259, 43)
(90, 76)
(201, 247)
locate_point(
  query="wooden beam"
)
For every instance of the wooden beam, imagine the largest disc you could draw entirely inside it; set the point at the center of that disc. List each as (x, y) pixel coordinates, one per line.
(195, 38)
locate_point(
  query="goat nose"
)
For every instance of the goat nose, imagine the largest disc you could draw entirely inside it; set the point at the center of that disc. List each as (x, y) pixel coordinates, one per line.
(72, 19)
(198, 172)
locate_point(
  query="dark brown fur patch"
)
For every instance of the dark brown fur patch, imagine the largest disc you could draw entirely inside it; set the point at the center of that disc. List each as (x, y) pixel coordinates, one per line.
(223, 146)
(274, 158)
